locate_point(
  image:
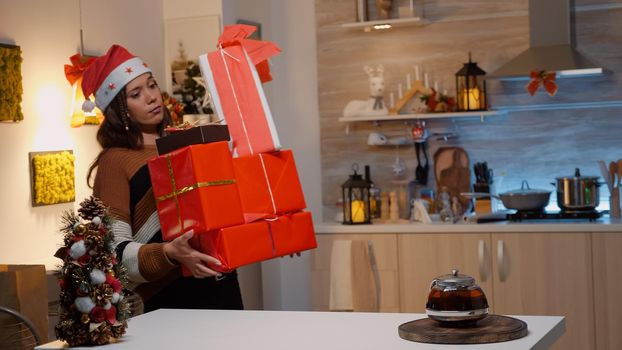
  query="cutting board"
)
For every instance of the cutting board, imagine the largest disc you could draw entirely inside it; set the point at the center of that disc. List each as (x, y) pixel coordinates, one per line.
(492, 329)
(451, 170)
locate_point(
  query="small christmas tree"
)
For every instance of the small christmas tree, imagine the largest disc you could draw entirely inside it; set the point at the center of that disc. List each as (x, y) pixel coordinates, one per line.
(93, 310)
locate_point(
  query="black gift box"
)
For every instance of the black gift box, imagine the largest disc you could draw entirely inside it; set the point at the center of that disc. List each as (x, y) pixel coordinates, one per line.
(192, 136)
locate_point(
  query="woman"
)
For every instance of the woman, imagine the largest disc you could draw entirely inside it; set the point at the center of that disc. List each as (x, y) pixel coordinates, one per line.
(135, 117)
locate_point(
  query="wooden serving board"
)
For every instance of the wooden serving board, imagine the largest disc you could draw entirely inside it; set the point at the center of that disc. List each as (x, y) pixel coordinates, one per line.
(492, 329)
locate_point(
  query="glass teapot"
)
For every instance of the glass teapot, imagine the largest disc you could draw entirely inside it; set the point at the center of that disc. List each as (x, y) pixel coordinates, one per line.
(455, 299)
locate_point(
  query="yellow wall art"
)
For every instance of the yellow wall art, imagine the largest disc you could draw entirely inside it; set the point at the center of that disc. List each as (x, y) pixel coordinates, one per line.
(10, 83)
(52, 177)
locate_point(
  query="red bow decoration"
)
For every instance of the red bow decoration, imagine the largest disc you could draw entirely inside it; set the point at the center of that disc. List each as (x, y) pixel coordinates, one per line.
(79, 63)
(258, 51)
(547, 79)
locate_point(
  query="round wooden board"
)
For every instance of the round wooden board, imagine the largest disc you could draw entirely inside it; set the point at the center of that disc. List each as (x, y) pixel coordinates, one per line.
(492, 329)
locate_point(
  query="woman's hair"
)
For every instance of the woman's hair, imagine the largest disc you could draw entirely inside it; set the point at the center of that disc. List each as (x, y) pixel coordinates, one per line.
(112, 131)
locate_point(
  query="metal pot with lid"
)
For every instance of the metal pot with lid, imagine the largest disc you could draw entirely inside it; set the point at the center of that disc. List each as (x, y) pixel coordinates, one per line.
(577, 192)
(455, 299)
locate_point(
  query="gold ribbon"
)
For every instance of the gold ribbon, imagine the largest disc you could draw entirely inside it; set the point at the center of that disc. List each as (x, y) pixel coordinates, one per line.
(176, 192)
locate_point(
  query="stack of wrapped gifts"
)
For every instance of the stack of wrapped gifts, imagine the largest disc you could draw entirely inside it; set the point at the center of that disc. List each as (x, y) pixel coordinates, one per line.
(243, 209)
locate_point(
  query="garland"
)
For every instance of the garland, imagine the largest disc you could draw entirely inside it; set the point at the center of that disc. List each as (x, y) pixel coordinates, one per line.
(11, 83)
(93, 310)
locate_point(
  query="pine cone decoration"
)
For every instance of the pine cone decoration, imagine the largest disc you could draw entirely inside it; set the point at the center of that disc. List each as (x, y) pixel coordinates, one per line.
(92, 207)
(101, 335)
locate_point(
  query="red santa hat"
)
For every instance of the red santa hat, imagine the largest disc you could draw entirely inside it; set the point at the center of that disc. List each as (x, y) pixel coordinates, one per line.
(108, 74)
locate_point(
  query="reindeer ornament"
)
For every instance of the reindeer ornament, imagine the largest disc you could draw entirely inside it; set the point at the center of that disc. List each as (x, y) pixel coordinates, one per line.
(375, 105)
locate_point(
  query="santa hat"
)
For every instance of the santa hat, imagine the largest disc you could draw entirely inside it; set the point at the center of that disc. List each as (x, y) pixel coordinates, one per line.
(108, 74)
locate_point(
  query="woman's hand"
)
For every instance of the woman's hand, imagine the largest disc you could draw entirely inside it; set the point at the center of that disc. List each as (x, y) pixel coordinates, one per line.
(180, 250)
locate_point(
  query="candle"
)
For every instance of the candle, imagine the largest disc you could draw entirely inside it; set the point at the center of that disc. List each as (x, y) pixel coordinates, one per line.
(416, 72)
(399, 90)
(436, 86)
(358, 211)
(425, 80)
(391, 100)
(470, 99)
(408, 81)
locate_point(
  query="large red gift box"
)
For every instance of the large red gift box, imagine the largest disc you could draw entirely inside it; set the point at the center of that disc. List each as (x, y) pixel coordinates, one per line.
(195, 188)
(234, 74)
(269, 185)
(258, 241)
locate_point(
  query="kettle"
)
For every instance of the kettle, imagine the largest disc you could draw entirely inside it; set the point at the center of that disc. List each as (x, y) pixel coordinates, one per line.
(456, 300)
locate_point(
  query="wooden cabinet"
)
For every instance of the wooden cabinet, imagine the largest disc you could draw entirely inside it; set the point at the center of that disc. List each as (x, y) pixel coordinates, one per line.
(423, 257)
(607, 264)
(385, 251)
(546, 274)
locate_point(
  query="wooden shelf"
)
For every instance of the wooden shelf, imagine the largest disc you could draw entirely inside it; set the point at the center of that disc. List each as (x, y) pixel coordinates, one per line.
(395, 22)
(475, 114)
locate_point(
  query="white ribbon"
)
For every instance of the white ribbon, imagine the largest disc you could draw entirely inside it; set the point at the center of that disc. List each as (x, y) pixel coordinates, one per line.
(265, 174)
(235, 97)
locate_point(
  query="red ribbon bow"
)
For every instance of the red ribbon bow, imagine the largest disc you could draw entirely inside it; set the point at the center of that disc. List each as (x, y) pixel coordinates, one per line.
(547, 79)
(258, 51)
(79, 63)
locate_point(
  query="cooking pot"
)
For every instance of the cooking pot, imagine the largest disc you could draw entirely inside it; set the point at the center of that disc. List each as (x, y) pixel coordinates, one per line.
(524, 199)
(455, 300)
(577, 192)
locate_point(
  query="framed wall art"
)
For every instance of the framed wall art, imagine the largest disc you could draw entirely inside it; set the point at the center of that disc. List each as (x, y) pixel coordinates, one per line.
(52, 177)
(10, 83)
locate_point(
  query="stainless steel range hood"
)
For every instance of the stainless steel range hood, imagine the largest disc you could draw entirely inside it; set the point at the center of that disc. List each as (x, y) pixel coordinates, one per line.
(551, 45)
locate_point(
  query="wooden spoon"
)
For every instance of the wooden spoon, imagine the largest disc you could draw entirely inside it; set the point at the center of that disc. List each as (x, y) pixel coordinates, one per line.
(613, 171)
(619, 172)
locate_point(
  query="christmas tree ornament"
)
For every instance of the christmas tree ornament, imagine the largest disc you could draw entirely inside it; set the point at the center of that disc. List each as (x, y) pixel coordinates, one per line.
(92, 308)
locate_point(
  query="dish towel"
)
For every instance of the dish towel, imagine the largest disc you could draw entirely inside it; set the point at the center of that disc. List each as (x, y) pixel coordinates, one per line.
(354, 278)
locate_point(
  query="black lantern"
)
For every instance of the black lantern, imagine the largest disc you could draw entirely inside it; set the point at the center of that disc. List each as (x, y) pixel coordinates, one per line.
(356, 200)
(471, 88)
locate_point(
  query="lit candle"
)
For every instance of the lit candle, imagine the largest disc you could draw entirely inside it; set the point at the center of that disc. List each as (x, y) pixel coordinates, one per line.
(408, 81)
(416, 72)
(470, 98)
(391, 100)
(425, 80)
(399, 90)
(358, 211)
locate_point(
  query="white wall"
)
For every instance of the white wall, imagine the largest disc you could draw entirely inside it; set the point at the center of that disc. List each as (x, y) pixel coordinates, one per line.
(292, 96)
(48, 33)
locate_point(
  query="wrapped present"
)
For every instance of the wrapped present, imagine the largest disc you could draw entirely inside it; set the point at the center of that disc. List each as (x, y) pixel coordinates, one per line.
(192, 136)
(269, 185)
(195, 188)
(292, 233)
(234, 74)
(258, 241)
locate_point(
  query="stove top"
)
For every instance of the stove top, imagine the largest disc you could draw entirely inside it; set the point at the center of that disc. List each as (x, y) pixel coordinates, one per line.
(520, 215)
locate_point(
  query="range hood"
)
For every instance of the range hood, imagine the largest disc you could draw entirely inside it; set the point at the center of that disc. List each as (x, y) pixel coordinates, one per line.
(551, 45)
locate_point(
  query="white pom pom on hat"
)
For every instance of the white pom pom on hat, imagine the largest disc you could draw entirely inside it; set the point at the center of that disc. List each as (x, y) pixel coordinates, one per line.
(88, 106)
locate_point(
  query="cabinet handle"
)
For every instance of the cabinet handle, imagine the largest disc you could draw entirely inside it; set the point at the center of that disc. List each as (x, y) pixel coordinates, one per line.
(481, 258)
(500, 260)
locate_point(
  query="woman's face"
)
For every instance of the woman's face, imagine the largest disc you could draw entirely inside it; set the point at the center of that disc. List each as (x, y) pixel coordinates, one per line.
(144, 102)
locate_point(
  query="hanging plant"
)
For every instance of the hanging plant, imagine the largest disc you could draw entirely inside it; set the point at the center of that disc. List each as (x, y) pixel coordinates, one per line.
(10, 83)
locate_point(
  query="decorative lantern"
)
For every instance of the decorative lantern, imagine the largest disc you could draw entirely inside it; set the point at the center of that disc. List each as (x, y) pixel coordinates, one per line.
(471, 88)
(356, 200)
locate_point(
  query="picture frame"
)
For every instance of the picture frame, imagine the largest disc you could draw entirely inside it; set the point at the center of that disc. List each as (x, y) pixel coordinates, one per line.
(257, 34)
(52, 177)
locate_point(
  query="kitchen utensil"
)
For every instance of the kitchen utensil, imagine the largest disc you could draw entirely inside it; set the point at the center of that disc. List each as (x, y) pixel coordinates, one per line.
(619, 172)
(524, 199)
(580, 192)
(455, 300)
(613, 172)
(604, 172)
(426, 166)
(419, 169)
(451, 167)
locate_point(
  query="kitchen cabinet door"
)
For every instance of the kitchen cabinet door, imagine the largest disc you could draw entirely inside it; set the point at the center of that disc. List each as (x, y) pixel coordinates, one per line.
(607, 259)
(546, 274)
(385, 251)
(423, 257)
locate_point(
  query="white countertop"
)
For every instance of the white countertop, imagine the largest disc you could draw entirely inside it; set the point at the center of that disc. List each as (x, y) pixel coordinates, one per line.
(604, 224)
(300, 330)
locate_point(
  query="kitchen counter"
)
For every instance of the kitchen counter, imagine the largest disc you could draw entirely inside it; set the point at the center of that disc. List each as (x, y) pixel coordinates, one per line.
(604, 224)
(302, 330)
